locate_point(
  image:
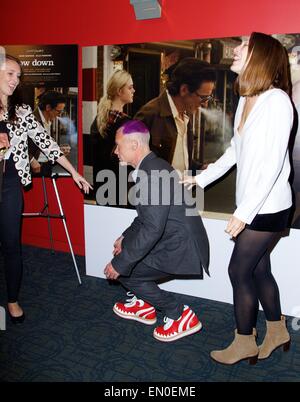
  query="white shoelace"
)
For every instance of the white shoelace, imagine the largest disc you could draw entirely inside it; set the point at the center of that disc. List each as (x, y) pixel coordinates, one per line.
(130, 302)
(168, 323)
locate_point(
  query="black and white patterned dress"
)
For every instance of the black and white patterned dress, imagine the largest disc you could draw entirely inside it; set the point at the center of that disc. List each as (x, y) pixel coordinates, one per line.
(27, 126)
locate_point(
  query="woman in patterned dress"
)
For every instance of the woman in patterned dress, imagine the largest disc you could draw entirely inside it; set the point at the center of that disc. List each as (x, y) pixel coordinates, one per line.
(17, 125)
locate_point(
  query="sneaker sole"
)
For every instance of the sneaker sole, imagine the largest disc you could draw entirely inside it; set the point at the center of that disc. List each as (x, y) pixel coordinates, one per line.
(191, 331)
(134, 317)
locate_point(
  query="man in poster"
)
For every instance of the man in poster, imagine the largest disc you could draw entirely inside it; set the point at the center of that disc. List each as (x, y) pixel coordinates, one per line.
(51, 106)
(189, 87)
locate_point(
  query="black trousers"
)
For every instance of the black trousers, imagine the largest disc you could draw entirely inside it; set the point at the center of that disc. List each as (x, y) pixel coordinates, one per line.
(143, 283)
(11, 206)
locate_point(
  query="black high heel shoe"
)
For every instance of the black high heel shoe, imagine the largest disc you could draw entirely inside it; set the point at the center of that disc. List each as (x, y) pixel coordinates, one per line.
(17, 320)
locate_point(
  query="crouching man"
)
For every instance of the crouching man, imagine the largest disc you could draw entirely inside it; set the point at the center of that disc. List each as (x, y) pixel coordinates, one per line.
(162, 242)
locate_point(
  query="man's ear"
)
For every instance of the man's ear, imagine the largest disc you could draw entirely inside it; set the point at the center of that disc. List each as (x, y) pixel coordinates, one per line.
(48, 108)
(184, 90)
(134, 145)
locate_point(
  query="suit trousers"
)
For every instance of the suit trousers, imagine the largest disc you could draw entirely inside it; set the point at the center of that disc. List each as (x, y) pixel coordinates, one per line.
(143, 283)
(10, 229)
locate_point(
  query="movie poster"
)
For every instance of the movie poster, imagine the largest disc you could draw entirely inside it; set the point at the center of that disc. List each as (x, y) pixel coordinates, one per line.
(50, 87)
(149, 65)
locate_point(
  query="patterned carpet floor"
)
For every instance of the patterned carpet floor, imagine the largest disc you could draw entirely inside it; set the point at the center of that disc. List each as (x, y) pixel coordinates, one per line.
(71, 334)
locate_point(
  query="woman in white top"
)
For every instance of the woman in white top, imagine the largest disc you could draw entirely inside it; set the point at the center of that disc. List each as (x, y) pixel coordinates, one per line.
(17, 124)
(259, 148)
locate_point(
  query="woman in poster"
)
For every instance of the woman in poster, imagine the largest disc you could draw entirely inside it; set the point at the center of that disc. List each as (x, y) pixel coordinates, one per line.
(110, 116)
(259, 148)
(17, 125)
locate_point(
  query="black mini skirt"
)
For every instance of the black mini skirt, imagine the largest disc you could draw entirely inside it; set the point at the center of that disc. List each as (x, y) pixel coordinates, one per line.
(276, 222)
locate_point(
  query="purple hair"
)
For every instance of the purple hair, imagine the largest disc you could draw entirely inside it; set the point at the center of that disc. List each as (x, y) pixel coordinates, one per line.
(134, 127)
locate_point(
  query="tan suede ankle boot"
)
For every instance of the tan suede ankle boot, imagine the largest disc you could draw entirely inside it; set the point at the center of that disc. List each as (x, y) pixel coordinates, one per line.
(276, 335)
(243, 347)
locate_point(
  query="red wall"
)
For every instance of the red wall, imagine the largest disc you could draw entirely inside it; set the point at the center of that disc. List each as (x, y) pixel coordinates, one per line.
(94, 22)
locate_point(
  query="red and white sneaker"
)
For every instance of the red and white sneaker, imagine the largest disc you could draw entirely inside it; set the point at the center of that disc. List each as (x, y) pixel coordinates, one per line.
(136, 309)
(187, 324)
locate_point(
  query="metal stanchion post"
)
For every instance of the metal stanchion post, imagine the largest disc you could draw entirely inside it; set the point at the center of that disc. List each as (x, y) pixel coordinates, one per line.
(54, 177)
(44, 213)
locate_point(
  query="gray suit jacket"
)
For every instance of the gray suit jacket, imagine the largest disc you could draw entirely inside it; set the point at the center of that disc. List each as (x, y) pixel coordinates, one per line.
(162, 236)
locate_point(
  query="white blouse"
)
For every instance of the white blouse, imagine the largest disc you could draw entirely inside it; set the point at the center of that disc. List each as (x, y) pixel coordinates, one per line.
(260, 152)
(27, 126)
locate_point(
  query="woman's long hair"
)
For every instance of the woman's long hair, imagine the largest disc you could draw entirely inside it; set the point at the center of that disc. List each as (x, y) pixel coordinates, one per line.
(268, 66)
(16, 98)
(116, 82)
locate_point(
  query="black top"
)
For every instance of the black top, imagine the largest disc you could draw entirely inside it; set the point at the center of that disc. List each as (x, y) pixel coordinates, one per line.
(7, 167)
(3, 128)
(103, 146)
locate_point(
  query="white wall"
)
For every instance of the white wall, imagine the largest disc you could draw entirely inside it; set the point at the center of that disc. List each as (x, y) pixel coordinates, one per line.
(104, 224)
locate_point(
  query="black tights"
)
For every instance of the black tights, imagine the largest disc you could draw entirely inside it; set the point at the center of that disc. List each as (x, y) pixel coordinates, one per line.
(252, 280)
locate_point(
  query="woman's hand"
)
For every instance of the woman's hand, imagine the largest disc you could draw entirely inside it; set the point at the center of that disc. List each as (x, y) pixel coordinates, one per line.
(4, 144)
(234, 226)
(188, 181)
(2, 153)
(4, 140)
(81, 182)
